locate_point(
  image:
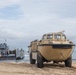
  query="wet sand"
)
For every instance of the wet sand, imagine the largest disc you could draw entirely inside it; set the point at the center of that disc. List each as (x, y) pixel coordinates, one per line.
(14, 68)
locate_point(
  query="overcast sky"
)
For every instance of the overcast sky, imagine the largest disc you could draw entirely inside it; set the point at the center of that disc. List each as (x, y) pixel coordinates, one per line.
(22, 21)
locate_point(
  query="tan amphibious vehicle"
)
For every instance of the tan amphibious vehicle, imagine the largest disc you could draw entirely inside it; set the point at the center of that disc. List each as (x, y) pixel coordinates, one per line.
(52, 47)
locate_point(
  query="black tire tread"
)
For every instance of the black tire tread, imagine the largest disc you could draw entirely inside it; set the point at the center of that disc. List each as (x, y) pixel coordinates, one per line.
(68, 62)
(32, 61)
(39, 60)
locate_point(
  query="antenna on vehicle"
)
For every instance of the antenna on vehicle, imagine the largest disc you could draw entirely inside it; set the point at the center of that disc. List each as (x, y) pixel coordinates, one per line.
(61, 31)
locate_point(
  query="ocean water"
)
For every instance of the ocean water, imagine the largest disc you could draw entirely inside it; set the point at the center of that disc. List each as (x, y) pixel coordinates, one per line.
(26, 58)
(74, 55)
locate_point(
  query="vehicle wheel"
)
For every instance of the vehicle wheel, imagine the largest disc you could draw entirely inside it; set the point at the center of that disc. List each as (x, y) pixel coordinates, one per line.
(68, 62)
(39, 60)
(32, 61)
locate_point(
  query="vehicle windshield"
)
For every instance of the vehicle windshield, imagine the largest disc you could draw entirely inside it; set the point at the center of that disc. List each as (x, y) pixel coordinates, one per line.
(54, 36)
(57, 36)
(44, 37)
(63, 36)
(50, 36)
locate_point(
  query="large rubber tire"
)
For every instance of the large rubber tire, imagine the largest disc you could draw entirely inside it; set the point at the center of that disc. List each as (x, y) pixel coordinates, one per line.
(39, 60)
(32, 61)
(68, 62)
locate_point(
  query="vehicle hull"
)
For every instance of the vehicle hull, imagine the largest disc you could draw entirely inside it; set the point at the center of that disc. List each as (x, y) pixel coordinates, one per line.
(57, 52)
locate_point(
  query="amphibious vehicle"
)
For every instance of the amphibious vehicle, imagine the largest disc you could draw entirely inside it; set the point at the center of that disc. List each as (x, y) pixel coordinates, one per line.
(52, 47)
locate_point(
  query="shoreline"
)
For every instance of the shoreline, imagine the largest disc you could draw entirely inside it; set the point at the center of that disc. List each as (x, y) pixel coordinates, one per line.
(22, 60)
(17, 68)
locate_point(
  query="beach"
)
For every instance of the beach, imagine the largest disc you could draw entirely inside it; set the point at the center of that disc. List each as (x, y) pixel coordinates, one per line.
(14, 68)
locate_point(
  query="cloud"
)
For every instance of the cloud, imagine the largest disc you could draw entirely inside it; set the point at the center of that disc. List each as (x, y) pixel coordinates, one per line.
(11, 12)
(62, 8)
(12, 34)
(35, 18)
(4, 3)
(10, 9)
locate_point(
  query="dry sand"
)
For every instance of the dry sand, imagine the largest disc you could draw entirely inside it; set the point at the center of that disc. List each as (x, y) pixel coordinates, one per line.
(28, 69)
